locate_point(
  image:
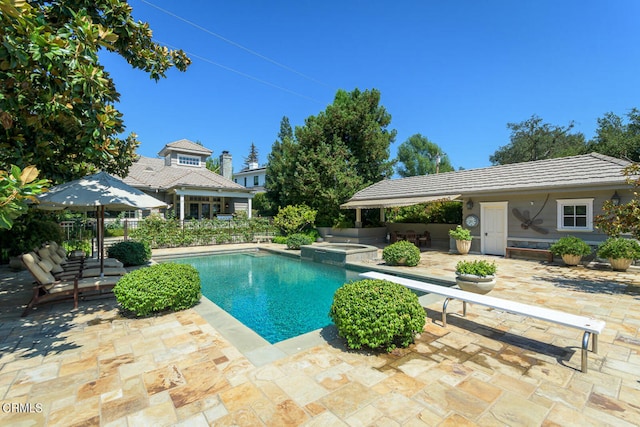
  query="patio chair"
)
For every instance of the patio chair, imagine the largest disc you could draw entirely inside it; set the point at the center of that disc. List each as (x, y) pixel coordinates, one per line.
(80, 270)
(49, 289)
(412, 237)
(48, 252)
(425, 239)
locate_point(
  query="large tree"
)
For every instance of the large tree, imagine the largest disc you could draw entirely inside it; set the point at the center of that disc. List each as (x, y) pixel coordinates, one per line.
(252, 157)
(279, 173)
(617, 138)
(533, 139)
(419, 156)
(56, 99)
(336, 153)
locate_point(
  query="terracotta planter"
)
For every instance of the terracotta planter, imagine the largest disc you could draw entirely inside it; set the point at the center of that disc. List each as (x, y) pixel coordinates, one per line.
(475, 284)
(463, 246)
(570, 259)
(620, 264)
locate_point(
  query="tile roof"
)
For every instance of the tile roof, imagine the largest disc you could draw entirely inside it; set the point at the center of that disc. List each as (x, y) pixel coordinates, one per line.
(186, 146)
(147, 172)
(588, 170)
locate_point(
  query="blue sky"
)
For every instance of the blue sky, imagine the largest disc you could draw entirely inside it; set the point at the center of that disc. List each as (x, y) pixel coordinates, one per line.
(456, 72)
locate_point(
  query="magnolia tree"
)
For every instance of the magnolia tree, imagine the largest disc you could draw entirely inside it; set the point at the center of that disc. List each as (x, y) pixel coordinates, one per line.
(623, 218)
(16, 187)
(57, 102)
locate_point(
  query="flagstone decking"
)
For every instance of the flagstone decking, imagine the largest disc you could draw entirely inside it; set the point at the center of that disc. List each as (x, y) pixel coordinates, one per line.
(92, 366)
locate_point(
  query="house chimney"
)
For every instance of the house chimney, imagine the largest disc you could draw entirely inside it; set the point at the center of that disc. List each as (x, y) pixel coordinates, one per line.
(226, 167)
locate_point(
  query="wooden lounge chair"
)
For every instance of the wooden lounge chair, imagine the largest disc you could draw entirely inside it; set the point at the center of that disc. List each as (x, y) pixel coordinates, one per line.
(48, 288)
(58, 271)
(58, 250)
(47, 252)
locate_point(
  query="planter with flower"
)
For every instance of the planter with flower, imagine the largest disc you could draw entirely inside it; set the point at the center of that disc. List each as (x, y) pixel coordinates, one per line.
(476, 276)
(620, 252)
(463, 238)
(571, 249)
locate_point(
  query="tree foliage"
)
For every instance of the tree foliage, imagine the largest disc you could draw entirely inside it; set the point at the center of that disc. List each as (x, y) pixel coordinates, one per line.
(336, 153)
(56, 99)
(623, 218)
(437, 212)
(279, 174)
(294, 219)
(533, 139)
(213, 164)
(617, 138)
(252, 157)
(419, 156)
(16, 188)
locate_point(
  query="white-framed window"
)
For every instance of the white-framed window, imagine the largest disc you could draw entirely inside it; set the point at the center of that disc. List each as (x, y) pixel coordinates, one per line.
(256, 180)
(188, 160)
(575, 214)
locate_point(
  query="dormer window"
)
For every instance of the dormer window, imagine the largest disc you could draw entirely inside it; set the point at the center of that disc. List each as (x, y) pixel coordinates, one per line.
(188, 160)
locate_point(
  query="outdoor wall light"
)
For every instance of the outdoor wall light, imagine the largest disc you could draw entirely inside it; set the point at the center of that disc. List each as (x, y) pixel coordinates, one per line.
(615, 199)
(469, 204)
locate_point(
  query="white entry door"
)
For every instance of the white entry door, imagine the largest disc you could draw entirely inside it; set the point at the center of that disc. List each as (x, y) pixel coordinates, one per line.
(493, 228)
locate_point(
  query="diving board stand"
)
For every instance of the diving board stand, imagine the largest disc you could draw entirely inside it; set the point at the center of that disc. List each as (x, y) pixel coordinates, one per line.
(590, 326)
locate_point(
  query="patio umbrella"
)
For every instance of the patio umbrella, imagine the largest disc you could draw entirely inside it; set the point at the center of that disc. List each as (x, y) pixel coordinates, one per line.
(98, 191)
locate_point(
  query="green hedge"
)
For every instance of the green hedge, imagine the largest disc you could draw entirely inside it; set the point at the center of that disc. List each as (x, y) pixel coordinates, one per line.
(157, 288)
(130, 252)
(294, 241)
(377, 314)
(403, 252)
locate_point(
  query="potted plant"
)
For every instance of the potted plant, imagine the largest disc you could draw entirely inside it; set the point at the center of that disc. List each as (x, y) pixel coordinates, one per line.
(462, 236)
(476, 276)
(571, 249)
(621, 252)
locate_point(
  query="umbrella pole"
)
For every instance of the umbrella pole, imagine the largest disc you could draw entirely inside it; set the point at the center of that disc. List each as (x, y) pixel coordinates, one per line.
(101, 241)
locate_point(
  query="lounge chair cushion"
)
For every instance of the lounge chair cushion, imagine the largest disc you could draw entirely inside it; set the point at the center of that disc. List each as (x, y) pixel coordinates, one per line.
(46, 265)
(108, 271)
(42, 277)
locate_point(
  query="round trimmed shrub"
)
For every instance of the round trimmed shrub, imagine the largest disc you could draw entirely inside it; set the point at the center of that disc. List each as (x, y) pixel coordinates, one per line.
(377, 314)
(294, 241)
(157, 288)
(401, 253)
(570, 245)
(130, 252)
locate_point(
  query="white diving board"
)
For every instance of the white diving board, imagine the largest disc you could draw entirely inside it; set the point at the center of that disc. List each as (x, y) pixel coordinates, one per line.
(589, 325)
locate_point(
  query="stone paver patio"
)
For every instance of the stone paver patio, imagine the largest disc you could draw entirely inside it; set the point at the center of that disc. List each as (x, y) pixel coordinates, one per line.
(92, 366)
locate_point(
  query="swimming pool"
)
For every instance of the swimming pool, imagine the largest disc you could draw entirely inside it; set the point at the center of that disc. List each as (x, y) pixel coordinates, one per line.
(277, 296)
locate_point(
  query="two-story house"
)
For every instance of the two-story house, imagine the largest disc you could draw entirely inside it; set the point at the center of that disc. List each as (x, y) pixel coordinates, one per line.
(252, 177)
(180, 178)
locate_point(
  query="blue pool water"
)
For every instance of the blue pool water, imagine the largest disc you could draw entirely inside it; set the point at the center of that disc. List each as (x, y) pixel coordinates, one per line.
(276, 296)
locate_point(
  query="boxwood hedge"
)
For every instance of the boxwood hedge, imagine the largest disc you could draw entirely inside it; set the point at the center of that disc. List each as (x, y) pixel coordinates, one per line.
(401, 253)
(130, 252)
(294, 241)
(377, 314)
(157, 288)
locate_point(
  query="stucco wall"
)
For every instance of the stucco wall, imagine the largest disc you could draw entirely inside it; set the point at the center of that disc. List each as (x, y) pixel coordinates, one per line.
(535, 202)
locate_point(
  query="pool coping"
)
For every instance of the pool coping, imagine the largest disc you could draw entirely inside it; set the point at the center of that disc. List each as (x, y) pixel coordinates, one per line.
(258, 350)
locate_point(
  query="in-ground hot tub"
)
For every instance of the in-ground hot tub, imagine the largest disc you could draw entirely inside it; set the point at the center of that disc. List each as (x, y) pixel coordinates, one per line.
(338, 253)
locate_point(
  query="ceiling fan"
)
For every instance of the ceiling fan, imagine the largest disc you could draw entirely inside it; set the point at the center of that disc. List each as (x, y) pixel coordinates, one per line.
(528, 222)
